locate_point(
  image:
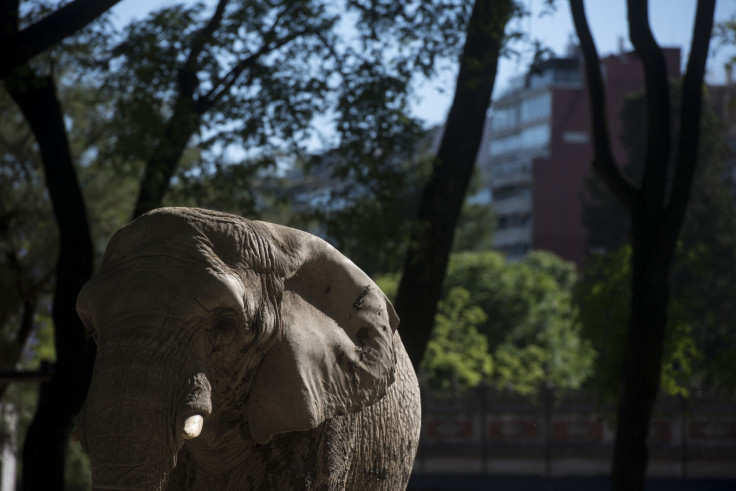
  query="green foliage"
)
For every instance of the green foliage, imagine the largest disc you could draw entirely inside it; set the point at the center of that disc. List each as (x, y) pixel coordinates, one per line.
(523, 316)
(370, 223)
(457, 355)
(389, 284)
(725, 33)
(520, 369)
(604, 294)
(258, 73)
(699, 345)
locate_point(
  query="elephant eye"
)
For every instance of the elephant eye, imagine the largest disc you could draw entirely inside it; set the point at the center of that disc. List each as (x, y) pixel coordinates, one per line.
(230, 322)
(229, 328)
(226, 319)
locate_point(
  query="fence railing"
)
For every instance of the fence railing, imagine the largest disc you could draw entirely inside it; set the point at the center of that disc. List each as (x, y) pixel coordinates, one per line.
(487, 431)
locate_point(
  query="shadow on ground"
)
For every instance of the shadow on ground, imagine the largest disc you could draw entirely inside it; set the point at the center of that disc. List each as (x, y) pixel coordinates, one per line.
(479, 482)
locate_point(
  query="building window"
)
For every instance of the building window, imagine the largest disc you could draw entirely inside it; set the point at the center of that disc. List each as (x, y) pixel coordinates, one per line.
(528, 139)
(536, 108)
(573, 77)
(576, 137)
(511, 191)
(535, 136)
(513, 220)
(500, 146)
(505, 117)
(509, 167)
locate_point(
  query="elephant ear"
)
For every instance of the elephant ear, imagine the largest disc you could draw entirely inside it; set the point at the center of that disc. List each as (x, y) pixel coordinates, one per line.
(336, 355)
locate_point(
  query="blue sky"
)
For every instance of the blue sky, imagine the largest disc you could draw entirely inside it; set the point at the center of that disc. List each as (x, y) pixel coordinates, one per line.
(671, 22)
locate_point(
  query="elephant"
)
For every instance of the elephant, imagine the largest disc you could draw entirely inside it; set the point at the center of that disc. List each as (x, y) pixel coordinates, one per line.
(235, 354)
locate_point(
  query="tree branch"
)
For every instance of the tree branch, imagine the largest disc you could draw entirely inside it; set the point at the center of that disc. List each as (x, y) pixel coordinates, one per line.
(690, 109)
(204, 35)
(654, 181)
(603, 160)
(187, 77)
(220, 88)
(49, 31)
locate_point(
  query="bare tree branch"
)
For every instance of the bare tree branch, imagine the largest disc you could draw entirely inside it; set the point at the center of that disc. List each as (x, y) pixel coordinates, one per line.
(217, 91)
(48, 31)
(187, 76)
(204, 35)
(690, 109)
(603, 160)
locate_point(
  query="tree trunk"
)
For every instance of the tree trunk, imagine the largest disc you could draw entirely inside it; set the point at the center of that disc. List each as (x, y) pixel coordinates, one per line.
(160, 168)
(59, 400)
(656, 219)
(643, 351)
(182, 124)
(442, 199)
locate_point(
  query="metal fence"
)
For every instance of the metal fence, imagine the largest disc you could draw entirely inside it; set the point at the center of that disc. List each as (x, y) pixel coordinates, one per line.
(487, 431)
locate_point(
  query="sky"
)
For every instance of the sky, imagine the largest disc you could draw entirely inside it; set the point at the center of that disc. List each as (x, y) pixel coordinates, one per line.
(671, 22)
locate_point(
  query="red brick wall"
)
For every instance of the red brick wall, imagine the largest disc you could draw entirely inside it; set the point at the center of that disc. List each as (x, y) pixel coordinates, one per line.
(558, 181)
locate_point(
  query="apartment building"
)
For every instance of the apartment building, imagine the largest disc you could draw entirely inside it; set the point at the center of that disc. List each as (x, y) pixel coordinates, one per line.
(538, 149)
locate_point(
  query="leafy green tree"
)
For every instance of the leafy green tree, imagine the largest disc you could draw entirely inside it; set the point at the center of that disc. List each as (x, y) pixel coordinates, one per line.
(475, 228)
(242, 73)
(531, 313)
(522, 314)
(457, 355)
(725, 32)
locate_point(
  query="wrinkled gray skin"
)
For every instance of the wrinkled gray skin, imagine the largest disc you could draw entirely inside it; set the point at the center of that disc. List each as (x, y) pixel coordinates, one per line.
(287, 351)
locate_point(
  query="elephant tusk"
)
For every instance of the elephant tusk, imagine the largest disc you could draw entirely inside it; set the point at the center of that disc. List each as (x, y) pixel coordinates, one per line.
(193, 426)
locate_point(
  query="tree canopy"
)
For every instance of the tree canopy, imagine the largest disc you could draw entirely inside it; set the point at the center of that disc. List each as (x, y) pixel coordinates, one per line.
(510, 325)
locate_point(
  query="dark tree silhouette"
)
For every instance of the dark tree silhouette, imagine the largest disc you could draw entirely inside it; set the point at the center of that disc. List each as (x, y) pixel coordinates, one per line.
(656, 209)
(442, 199)
(21, 46)
(45, 446)
(46, 442)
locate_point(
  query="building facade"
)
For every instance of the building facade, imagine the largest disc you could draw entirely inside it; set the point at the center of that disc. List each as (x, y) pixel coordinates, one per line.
(538, 150)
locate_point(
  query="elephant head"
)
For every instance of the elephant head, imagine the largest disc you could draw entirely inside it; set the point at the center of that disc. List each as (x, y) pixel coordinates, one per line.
(211, 327)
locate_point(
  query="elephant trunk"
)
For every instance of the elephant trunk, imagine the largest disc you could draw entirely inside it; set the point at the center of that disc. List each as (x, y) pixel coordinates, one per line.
(129, 446)
(136, 419)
